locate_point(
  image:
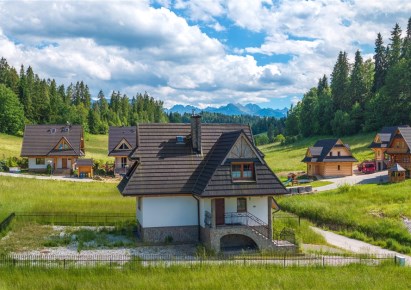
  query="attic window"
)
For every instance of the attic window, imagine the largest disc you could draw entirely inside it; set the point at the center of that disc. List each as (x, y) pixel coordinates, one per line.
(123, 146)
(65, 129)
(52, 130)
(331, 153)
(242, 171)
(63, 145)
(180, 140)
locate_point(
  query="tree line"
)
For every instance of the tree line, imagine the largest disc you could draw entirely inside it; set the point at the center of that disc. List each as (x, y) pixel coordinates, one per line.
(362, 96)
(25, 98)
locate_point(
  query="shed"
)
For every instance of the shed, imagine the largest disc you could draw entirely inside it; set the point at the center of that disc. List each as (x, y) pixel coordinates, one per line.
(396, 173)
(85, 167)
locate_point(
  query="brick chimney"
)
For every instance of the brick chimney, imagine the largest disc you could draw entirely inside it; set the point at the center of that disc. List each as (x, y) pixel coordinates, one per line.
(196, 133)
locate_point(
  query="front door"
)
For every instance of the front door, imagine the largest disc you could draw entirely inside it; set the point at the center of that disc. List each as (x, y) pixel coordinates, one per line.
(219, 211)
(64, 163)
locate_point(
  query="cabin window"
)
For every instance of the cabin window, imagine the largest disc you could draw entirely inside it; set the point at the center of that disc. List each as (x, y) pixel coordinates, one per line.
(123, 147)
(331, 153)
(180, 140)
(242, 171)
(339, 153)
(40, 161)
(123, 162)
(241, 205)
(63, 146)
(338, 167)
(139, 200)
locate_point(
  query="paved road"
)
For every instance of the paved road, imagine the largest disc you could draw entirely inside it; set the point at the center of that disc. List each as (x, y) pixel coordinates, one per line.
(63, 178)
(357, 246)
(355, 179)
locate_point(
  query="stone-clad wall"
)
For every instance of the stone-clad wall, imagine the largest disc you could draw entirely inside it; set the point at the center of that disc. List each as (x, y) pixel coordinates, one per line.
(184, 234)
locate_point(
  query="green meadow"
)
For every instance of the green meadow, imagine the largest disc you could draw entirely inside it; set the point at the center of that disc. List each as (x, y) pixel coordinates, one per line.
(33, 195)
(209, 277)
(372, 213)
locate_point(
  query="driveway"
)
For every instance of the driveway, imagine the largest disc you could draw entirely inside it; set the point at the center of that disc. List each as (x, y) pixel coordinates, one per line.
(374, 178)
(356, 246)
(46, 177)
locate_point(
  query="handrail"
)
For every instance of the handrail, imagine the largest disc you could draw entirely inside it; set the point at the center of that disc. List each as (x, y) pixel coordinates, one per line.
(249, 220)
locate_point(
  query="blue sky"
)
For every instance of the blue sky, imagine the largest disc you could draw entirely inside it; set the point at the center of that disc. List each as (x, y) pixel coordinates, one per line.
(198, 52)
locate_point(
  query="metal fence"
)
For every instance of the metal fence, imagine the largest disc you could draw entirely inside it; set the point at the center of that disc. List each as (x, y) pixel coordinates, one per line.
(75, 218)
(131, 262)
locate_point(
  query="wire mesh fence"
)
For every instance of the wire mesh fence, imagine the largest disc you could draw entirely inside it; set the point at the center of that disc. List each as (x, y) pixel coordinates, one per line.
(154, 260)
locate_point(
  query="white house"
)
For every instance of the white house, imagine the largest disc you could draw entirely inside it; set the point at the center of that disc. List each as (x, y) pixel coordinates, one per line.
(202, 183)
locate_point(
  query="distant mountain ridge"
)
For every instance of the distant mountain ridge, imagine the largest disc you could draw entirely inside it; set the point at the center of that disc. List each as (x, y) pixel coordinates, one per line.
(232, 110)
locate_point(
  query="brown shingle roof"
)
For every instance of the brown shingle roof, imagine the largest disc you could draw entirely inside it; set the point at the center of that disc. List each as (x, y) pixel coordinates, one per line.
(166, 167)
(116, 135)
(321, 149)
(40, 140)
(84, 162)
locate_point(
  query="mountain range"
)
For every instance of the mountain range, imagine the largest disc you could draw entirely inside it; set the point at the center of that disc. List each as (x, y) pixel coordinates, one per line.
(232, 110)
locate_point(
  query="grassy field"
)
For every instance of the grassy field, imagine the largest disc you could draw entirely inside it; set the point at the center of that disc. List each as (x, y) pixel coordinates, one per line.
(96, 146)
(210, 277)
(372, 213)
(285, 159)
(32, 195)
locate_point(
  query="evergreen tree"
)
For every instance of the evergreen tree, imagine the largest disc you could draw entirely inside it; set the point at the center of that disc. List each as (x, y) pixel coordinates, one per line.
(340, 83)
(11, 112)
(358, 87)
(380, 59)
(406, 48)
(395, 46)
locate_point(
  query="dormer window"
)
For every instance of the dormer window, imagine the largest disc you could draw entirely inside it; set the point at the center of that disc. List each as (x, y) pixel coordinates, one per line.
(180, 140)
(63, 145)
(243, 171)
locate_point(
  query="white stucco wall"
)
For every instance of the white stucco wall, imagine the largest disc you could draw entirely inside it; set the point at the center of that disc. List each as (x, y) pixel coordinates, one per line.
(33, 165)
(168, 211)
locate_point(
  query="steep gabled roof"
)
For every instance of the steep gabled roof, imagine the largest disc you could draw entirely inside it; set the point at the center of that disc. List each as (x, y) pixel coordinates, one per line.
(321, 149)
(385, 136)
(166, 167)
(41, 140)
(116, 135)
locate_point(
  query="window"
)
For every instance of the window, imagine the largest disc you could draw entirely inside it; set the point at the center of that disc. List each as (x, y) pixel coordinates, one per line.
(40, 161)
(331, 154)
(339, 153)
(180, 140)
(339, 167)
(63, 146)
(123, 162)
(242, 171)
(123, 147)
(241, 205)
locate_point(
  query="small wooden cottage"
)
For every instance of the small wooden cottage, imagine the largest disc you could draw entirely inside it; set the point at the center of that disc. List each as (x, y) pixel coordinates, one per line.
(396, 173)
(121, 142)
(85, 168)
(329, 158)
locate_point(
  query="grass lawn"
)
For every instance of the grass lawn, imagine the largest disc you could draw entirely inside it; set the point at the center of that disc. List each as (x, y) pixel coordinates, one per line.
(209, 277)
(372, 213)
(285, 159)
(96, 146)
(33, 195)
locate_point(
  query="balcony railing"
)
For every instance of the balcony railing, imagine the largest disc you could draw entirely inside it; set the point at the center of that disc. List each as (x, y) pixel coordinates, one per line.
(249, 220)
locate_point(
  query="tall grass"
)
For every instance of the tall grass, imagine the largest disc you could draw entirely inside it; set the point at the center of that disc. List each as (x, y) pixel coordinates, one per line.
(209, 277)
(372, 213)
(33, 195)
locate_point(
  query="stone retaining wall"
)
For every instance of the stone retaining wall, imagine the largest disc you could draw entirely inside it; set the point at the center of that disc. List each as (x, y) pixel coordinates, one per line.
(184, 234)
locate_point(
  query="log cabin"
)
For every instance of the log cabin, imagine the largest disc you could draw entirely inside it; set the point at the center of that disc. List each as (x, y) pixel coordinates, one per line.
(398, 149)
(204, 183)
(380, 146)
(121, 142)
(56, 145)
(329, 158)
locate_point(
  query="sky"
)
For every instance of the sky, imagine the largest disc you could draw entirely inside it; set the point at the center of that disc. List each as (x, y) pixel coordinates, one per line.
(198, 52)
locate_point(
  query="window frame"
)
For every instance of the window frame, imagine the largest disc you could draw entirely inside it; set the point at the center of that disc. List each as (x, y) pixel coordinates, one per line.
(242, 209)
(40, 163)
(123, 165)
(242, 178)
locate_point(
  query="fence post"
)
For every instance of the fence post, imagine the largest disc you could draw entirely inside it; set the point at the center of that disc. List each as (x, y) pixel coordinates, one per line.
(299, 221)
(284, 259)
(323, 261)
(64, 263)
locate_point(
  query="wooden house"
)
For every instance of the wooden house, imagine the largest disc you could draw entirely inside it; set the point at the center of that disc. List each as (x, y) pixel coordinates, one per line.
(56, 145)
(329, 158)
(121, 142)
(380, 146)
(202, 183)
(398, 149)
